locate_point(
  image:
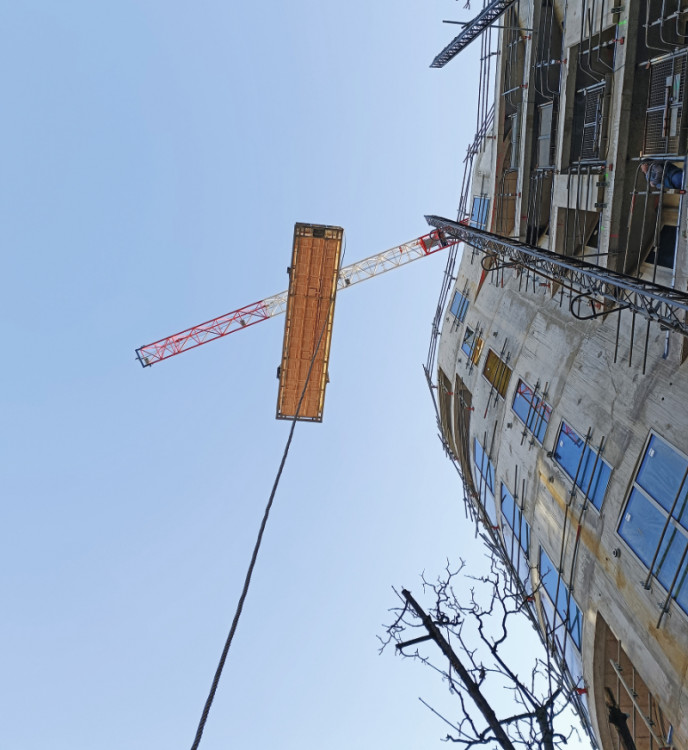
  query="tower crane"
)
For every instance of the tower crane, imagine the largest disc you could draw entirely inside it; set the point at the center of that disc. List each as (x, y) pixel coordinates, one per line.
(270, 307)
(587, 283)
(667, 306)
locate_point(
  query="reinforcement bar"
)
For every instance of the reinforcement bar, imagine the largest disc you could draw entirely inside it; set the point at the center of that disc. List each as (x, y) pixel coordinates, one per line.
(474, 29)
(654, 302)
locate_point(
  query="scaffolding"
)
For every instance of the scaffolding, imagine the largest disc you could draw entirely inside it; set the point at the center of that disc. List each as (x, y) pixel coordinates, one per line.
(597, 89)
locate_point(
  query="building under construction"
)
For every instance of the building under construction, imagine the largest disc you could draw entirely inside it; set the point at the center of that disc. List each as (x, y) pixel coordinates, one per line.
(558, 358)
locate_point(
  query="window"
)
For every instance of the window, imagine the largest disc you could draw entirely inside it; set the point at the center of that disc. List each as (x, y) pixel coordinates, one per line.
(655, 520)
(516, 533)
(564, 643)
(663, 119)
(497, 372)
(472, 345)
(459, 306)
(481, 206)
(515, 139)
(589, 119)
(546, 144)
(561, 598)
(582, 464)
(531, 410)
(484, 480)
(588, 108)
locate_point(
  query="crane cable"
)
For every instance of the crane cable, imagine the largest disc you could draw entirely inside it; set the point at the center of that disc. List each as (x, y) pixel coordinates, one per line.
(259, 539)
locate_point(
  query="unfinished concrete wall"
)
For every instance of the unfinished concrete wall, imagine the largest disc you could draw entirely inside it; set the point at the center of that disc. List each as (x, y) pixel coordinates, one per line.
(612, 383)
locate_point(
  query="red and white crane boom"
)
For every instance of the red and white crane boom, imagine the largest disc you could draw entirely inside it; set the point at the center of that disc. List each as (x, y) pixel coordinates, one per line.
(276, 305)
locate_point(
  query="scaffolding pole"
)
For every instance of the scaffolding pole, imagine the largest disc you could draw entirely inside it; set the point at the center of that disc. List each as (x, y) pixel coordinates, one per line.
(654, 302)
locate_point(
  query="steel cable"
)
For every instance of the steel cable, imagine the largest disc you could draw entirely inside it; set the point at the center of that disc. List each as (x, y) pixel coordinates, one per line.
(254, 556)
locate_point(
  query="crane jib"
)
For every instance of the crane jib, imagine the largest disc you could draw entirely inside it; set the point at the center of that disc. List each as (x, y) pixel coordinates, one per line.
(269, 307)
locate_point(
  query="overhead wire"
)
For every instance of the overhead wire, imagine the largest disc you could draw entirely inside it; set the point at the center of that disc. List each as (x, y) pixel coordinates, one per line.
(259, 538)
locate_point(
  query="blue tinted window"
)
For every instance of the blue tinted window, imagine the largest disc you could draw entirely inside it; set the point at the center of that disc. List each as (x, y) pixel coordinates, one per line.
(558, 592)
(655, 533)
(575, 622)
(531, 410)
(662, 473)
(508, 506)
(565, 645)
(484, 481)
(516, 533)
(488, 502)
(672, 554)
(467, 345)
(514, 518)
(459, 306)
(479, 452)
(549, 575)
(479, 213)
(641, 526)
(582, 464)
(484, 465)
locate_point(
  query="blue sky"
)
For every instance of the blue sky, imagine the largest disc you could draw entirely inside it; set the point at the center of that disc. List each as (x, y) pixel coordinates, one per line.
(155, 156)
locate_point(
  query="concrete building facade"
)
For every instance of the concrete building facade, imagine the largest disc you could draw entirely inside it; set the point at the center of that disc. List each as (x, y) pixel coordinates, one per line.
(567, 417)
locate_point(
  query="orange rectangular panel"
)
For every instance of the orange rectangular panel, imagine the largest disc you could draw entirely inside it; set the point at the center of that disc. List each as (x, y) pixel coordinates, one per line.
(308, 329)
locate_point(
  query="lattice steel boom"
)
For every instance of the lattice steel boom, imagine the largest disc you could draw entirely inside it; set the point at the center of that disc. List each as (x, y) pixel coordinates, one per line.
(276, 305)
(488, 15)
(589, 282)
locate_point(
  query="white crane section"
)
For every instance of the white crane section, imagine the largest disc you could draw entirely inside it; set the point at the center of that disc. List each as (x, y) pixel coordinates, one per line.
(277, 304)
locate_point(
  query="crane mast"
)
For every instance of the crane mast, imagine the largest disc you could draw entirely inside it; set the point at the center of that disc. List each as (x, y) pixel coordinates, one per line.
(270, 307)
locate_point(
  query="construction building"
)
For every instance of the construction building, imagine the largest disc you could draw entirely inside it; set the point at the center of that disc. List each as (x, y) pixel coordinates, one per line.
(560, 379)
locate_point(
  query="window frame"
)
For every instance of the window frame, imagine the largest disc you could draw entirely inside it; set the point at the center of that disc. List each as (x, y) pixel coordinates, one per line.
(518, 553)
(574, 626)
(462, 308)
(474, 349)
(578, 481)
(546, 139)
(567, 650)
(498, 390)
(480, 208)
(671, 526)
(535, 411)
(485, 487)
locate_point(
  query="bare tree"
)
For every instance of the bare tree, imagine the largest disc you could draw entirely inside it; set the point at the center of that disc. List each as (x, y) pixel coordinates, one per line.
(501, 703)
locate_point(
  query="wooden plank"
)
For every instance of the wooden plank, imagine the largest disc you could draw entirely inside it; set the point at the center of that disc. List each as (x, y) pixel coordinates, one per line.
(313, 274)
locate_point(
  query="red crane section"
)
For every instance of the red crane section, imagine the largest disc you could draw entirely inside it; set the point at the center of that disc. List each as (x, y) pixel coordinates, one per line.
(269, 307)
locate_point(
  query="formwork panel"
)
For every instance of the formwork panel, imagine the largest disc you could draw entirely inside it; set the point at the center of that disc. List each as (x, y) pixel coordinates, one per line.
(313, 276)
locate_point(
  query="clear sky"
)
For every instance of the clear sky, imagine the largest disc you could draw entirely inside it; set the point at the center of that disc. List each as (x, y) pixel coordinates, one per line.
(155, 156)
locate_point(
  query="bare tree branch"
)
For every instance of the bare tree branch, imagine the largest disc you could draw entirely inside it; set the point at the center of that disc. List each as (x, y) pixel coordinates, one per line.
(469, 622)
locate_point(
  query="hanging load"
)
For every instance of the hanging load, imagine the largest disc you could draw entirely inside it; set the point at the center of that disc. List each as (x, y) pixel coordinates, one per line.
(313, 278)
